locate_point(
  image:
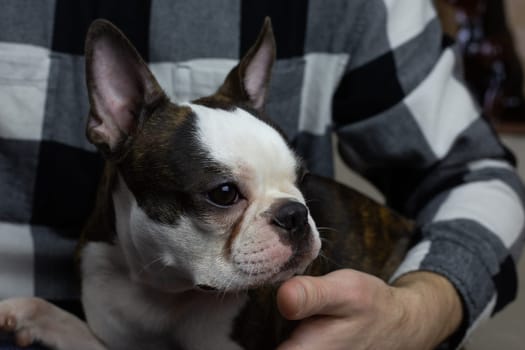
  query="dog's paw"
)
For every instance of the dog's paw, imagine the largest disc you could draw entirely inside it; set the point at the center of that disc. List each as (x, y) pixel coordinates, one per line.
(20, 317)
(34, 319)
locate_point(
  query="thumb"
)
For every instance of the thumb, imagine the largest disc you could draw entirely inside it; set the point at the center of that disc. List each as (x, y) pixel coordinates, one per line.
(304, 296)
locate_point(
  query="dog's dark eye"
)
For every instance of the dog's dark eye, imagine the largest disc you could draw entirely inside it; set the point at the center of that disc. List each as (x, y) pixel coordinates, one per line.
(224, 195)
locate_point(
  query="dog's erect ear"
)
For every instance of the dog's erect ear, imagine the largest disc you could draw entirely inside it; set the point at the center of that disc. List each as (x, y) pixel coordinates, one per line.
(120, 86)
(248, 81)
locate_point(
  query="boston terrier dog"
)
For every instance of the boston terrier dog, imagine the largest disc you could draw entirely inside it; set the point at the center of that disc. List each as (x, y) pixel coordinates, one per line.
(202, 210)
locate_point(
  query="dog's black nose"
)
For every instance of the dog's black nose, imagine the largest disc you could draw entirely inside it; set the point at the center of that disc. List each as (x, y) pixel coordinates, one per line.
(293, 217)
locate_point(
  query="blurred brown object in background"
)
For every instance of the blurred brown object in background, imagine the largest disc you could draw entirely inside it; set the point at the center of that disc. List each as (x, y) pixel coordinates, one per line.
(492, 68)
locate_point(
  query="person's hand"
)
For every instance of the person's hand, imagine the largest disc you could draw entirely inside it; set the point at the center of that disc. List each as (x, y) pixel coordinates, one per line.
(347, 309)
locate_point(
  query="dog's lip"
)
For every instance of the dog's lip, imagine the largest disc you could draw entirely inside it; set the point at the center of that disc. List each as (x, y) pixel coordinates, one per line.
(285, 272)
(275, 279)
(206, 288)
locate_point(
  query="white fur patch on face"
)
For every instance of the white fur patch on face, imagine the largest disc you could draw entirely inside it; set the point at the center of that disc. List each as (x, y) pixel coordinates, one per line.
(155, 253)
(265, 169)
(246, 145)
(178, 257)
(172, 258)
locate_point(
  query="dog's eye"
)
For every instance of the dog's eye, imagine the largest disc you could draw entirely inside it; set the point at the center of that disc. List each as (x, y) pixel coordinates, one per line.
(224, 195)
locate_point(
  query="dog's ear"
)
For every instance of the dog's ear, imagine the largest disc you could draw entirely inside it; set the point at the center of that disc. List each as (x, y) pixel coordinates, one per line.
(248, 81)
(120, 86)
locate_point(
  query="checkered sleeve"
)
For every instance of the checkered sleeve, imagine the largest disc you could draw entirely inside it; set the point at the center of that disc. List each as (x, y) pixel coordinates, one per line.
(406, 121)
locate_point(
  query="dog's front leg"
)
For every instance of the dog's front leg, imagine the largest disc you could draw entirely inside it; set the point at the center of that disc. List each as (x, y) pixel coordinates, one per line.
(34, 319)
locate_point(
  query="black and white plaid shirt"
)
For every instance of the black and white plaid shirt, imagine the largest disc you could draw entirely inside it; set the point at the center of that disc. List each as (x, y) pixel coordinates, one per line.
(374, 71)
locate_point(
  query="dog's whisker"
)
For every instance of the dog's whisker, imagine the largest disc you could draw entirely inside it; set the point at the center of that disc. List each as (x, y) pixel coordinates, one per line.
(324, 228)
(224, 291)
(324, 240)
(146, 266)
(310, 264)
(325, 257)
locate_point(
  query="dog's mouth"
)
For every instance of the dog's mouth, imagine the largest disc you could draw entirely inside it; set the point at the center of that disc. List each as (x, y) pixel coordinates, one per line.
(288, 270)
(257, 264)
(206, 288)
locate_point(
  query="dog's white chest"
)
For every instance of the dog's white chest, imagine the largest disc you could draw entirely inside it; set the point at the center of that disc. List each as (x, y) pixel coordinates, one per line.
(127, 315)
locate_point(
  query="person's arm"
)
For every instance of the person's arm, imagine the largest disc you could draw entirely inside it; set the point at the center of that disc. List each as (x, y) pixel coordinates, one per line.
(434, 157)
(406, 121)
